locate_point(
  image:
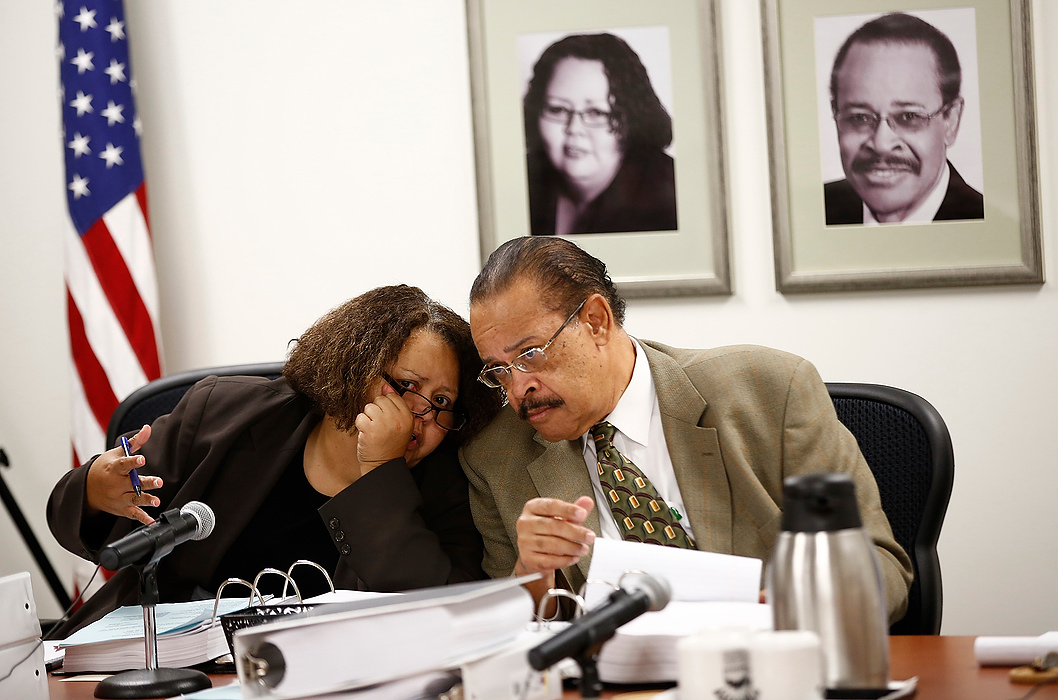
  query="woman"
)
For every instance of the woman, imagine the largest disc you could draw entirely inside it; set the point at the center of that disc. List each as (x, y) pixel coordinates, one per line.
(333, 462)
(595, 137)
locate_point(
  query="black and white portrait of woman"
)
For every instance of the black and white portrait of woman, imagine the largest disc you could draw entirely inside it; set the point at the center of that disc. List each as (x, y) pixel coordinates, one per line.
(598, 136)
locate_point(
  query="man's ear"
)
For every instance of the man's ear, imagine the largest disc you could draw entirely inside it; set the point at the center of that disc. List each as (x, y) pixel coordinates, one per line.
(599, 318)
(952, 118)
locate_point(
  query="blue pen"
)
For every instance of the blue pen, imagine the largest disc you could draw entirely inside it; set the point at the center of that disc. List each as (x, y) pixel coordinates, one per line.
(134, 476)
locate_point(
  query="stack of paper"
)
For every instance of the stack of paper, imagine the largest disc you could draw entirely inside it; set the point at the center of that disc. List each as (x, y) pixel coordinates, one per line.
(708, 590)
(187, 635)
(644, 650)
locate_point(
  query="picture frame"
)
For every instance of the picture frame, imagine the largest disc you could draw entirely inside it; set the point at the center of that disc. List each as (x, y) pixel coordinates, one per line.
(818, 248)
(519, 183)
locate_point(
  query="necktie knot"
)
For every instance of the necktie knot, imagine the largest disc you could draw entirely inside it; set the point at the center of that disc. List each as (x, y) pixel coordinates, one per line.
(603, 434)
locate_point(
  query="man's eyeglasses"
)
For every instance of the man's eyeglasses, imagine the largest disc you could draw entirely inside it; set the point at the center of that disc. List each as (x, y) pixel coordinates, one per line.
(908, 121)
(419, 405)
(591, 117)
(532, 360)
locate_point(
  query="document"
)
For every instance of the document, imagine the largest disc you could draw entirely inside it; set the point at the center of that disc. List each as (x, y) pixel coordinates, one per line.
(187, 635)
(692, 575)
(342, 646)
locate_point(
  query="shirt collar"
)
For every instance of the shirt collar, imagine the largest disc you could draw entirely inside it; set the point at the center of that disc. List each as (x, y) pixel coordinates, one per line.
(926, 211)
(633, 411)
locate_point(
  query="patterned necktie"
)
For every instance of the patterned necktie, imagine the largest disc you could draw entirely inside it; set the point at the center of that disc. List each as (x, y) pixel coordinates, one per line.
(639, 510)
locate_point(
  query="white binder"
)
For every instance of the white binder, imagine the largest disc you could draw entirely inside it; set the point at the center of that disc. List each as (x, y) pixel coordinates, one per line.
(352, 645)
(21, 653)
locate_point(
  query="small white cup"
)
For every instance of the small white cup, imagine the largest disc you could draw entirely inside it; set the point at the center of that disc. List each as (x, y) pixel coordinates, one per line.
(787, 665)
(714, 664)
(738, 664)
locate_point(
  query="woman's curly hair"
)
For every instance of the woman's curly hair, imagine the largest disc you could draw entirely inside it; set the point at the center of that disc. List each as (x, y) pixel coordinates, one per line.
(343, 354)
(636, 114)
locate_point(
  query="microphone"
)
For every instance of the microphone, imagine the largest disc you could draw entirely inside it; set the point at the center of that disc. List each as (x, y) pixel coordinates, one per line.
(147, 545)
(640, 592)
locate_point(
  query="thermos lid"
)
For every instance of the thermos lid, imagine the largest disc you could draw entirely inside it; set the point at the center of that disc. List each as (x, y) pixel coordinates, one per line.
(820, 502)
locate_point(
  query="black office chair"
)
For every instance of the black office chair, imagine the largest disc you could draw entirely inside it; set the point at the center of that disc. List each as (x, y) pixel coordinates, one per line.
(161, 396)
(908, 448)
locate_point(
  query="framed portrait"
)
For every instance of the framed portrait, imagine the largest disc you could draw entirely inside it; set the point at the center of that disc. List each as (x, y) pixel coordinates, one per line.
(903, 143)
(600, 121)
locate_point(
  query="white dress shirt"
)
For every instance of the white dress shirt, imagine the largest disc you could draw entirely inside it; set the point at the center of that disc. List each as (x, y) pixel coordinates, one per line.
(641, 439)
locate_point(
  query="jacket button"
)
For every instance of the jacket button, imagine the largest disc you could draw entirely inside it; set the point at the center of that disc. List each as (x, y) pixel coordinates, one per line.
(334, 523)
(346, 548)
(339, 536)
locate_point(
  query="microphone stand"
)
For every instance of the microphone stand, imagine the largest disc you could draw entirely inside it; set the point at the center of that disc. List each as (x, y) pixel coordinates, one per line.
(590, 685)
(151, 682)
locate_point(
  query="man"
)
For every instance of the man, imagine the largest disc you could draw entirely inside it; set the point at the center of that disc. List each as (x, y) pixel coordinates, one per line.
(894, 93)
(714, 431)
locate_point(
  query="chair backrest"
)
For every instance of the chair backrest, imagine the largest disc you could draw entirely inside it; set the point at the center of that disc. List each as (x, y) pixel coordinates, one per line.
(908, 448)
(161, 396)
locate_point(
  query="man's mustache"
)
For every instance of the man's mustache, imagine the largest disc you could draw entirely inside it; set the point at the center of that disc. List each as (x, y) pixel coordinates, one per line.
(865, 164)
(534, 404)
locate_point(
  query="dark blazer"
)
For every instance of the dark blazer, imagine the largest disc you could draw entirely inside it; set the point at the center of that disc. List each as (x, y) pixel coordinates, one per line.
(737, 421)
(642, 196)
(226, 444)
(961, 201)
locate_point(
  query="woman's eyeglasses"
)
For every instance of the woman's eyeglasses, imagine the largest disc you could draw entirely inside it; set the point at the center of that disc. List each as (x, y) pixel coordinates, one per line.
(419, 405)
(591, 117)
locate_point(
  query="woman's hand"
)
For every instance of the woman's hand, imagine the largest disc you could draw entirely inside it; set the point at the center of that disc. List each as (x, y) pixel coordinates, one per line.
(384, 430)
(109, 489)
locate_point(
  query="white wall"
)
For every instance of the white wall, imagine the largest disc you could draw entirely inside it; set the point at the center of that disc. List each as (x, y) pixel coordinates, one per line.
(300, 153)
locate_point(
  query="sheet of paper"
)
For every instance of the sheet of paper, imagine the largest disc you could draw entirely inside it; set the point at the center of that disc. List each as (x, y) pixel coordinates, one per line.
(127, 621)
(1013, 651)
(692, 575)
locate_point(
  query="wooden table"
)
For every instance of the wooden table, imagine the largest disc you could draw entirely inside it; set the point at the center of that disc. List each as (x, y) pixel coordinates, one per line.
(945, 668)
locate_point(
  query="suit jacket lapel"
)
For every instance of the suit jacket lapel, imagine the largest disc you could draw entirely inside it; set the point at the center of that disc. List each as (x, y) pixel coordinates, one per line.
(560, 472)
(695, 453)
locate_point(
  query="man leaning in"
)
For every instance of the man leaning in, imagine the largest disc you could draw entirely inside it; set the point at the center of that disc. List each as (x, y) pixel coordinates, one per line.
(693, 445)
(895, 95)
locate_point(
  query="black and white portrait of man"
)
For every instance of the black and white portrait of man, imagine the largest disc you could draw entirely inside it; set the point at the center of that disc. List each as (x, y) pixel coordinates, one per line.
(901, 118)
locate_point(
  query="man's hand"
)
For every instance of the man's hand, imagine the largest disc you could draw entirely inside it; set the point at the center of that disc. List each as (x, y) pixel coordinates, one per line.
(109, 489)
(551, 536)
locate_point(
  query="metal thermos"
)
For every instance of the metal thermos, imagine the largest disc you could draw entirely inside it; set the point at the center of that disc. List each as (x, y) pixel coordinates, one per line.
(824, 577)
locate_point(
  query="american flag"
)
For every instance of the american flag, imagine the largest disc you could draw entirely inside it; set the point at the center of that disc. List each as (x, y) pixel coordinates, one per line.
(111, 288)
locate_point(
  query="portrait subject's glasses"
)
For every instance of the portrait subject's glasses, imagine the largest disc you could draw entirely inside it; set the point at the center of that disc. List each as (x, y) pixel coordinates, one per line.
(591, 117)
(419, 405)
(908, 121)
(532, 360)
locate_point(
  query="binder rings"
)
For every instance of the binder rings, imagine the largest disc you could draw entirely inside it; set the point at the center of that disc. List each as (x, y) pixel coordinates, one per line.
(350, 645)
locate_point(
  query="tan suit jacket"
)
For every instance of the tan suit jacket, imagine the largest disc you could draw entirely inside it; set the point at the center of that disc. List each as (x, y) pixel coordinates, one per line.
(737, 420)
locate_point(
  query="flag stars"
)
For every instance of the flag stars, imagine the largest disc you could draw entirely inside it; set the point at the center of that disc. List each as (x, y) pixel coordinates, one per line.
(116, 29)
(86, 18)
(79, 187)
(82, 103)
(79, 145)
(60, 52)
(137, 126)
(112, 155)
(116, 71)
(83, 61)
(113, 113)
